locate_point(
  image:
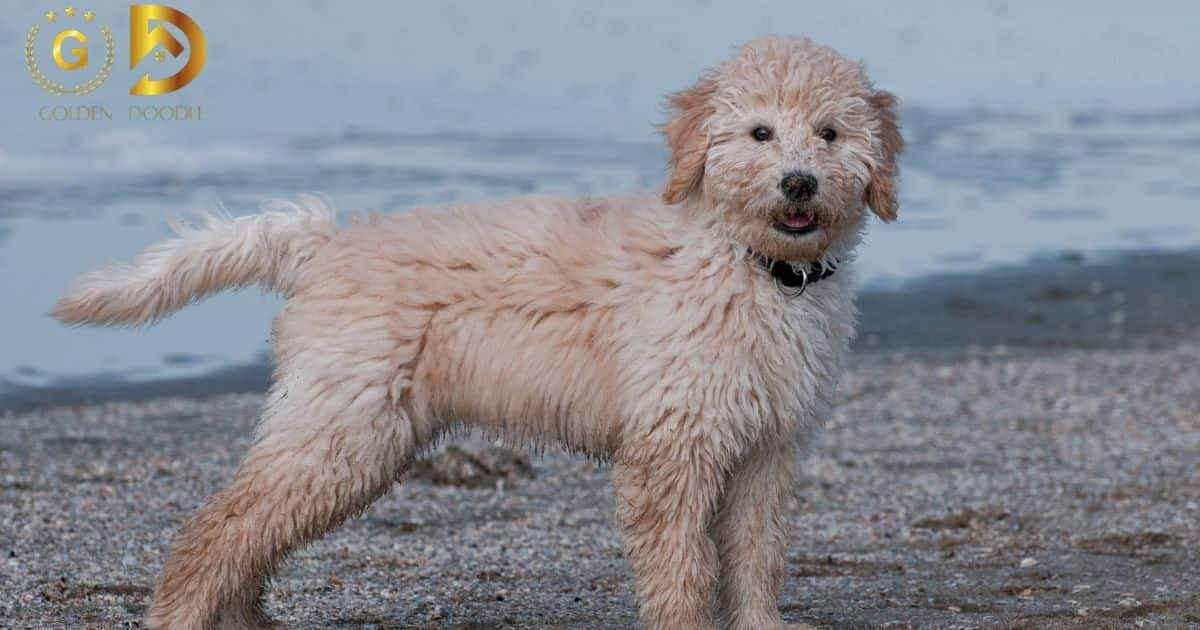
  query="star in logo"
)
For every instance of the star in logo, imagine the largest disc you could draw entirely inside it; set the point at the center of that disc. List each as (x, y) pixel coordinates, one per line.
(70, 11)
(89, 16)
(51, 16)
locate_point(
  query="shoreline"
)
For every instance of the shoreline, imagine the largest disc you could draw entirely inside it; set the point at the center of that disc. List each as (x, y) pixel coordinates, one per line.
(1122, 300)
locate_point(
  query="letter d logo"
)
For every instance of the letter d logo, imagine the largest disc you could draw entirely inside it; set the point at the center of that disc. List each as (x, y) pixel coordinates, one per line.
(143, 40)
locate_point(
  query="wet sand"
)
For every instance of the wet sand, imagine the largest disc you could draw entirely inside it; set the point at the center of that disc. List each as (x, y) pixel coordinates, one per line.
(1007, 451)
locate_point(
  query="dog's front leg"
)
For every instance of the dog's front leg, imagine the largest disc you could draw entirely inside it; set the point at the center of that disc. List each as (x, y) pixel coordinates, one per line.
(750, 533)
(666, 500)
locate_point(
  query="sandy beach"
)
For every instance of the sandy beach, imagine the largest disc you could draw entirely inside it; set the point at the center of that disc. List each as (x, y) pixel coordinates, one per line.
(1022, 479)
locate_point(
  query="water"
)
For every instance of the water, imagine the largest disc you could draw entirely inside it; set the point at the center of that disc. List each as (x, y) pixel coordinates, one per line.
(1026, 136)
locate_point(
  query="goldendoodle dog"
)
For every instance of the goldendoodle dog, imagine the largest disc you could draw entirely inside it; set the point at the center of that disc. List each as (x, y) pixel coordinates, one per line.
(693, 339)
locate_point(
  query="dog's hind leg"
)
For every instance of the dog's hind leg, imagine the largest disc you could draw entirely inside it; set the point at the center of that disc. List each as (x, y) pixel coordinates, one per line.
(328, 446)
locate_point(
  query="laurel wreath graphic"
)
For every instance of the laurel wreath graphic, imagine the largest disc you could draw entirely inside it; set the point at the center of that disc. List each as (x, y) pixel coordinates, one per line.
(59, 89)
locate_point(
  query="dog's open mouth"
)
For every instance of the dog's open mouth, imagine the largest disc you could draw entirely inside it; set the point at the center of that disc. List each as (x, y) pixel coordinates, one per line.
(797, 224)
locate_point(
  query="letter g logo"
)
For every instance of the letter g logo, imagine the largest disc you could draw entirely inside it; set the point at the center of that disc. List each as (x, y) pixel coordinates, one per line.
(80, 53)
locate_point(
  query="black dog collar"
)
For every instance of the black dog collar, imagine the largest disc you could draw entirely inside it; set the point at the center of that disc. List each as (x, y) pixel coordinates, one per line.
(792, 279)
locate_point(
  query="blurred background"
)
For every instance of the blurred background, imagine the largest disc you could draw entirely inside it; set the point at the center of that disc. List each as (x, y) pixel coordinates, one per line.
(1038, 132)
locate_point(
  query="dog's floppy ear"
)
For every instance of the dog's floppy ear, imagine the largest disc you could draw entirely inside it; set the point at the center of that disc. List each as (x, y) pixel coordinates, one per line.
(881, 191)
(687, 138)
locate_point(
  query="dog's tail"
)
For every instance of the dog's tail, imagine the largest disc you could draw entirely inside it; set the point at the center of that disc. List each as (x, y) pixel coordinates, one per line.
(220, 252)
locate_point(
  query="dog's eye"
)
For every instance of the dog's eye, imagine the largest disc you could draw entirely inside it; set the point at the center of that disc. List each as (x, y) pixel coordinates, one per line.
(762, 134)
(827, 134)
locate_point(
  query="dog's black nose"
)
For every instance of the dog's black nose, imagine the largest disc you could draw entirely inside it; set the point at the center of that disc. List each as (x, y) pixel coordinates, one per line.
(798, 185)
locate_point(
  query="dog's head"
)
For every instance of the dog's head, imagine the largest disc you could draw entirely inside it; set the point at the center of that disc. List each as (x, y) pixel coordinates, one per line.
(786, 143)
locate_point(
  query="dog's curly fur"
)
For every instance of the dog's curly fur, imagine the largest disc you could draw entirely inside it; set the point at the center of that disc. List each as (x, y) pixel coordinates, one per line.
(634, 329)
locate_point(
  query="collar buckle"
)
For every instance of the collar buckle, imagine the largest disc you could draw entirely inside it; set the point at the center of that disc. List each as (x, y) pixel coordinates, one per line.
(792, 291)
(792, 279)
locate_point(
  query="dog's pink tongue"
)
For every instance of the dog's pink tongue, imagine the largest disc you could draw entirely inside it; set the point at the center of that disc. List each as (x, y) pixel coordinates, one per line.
(798, 221)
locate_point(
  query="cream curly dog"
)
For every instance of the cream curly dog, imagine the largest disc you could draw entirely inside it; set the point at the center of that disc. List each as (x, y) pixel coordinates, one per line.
(694, 340)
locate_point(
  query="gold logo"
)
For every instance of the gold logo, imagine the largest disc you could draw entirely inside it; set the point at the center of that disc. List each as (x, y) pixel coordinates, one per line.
(147, 37)
(143, 40)
(79, 56)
